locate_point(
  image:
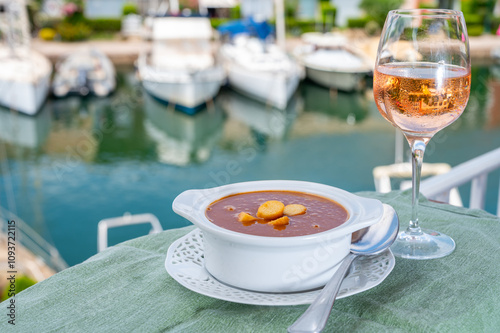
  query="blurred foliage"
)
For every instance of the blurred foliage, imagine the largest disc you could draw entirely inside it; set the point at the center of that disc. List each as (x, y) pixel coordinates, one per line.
(73, 26)
(47, 33)
(130, 8)
(475, 30)
(377, 9)
(300, 26)
(291, 8)
(103, 35)
(104, 24)
(495, 24)
(73, 12)
(328, 14)
(479, 16)
(324, 22)
(235, 12)
(22, 282)
(79, 3)
(33, 7)
(217, 21)
(358, 22)
(428, 5)
(44, 21)
(370, 26)
(72, 32)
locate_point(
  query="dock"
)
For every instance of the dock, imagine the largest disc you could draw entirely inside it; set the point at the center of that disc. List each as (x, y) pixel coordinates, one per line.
(120, 52)
(125, 52)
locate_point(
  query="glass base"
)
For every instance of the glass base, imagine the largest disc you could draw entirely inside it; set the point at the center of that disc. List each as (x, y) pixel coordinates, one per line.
(425, 244)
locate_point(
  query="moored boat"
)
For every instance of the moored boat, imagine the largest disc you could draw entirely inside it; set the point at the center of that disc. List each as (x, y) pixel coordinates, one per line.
(181, 68)
(24, 81)
(257, 67)
(330, 62)
(24, 73)
(84, 72)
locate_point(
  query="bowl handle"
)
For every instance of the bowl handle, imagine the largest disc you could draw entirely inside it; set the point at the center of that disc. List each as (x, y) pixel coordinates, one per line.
(185, 204)
(373, 210)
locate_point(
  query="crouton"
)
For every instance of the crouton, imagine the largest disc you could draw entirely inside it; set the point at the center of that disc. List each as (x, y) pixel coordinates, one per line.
(245, 217)
(284, 220)
(294, 209)
(271, 210)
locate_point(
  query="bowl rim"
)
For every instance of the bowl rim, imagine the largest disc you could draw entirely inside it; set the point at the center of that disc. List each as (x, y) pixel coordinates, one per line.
(362, 211)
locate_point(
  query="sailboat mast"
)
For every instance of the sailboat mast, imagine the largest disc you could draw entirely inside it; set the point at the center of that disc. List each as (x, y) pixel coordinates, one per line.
(17, 27)
(174, 7)
(280, 23)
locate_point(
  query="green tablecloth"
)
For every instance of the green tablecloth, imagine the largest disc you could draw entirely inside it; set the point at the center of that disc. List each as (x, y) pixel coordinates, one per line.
(126, 289)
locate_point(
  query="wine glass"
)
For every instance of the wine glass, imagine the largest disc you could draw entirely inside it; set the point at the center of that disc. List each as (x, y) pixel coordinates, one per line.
(421, 84)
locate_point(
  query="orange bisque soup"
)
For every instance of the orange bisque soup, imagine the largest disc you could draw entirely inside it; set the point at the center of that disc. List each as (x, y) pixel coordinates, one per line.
(276, 213)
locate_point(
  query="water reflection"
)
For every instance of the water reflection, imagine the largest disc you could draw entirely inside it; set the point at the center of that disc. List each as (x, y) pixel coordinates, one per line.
(182, 139)
(481, 107)
(493, 111)
(24, 131)
(351, 107)
(132, 125)
(263, 122)
(331, 112)
(73, 133)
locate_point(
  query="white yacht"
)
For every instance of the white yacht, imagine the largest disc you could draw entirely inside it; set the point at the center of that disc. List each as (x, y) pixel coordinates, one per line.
(24, 73)
(181, 68)
(330, 62)
(260, 70)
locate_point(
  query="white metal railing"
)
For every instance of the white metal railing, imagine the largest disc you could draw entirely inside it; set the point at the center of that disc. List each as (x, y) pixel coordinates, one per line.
(125, 220)
(32, 241)
(383, 174)
(475, 171)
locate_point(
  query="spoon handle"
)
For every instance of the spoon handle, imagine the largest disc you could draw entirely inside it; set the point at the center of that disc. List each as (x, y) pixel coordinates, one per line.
(316, 316)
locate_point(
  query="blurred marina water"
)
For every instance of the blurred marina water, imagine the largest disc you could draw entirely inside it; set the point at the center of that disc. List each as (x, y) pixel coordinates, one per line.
(80, 160)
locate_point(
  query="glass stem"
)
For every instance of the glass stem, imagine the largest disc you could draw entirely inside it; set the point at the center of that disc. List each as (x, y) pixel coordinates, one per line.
(418, 149)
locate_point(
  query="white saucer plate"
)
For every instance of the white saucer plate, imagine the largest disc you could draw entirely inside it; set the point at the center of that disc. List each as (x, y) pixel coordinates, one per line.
(185, 264)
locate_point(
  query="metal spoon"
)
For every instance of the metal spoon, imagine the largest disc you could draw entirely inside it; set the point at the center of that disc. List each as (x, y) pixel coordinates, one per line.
(368, 241)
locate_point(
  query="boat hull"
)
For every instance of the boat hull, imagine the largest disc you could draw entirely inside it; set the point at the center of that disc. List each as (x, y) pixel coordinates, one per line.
(187, 91)
(344, 81)
(25, 97)
(189, 96)
(25, 89)
(272, 88)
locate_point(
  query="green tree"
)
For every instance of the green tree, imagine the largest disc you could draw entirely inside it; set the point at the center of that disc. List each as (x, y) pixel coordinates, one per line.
(377, 9)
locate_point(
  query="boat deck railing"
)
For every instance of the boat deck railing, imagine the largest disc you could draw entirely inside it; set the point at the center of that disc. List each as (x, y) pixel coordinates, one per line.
(125, 220)
(475, 171)
(443, 181)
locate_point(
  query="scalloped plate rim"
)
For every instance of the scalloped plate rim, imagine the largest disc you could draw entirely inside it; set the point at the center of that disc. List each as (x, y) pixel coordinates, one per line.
(307, 296)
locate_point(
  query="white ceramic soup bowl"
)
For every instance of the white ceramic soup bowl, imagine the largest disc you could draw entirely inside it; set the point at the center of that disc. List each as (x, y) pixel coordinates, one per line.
(276, 264)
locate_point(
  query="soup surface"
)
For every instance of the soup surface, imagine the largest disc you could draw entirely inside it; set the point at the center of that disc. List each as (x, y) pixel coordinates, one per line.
(321, 214)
